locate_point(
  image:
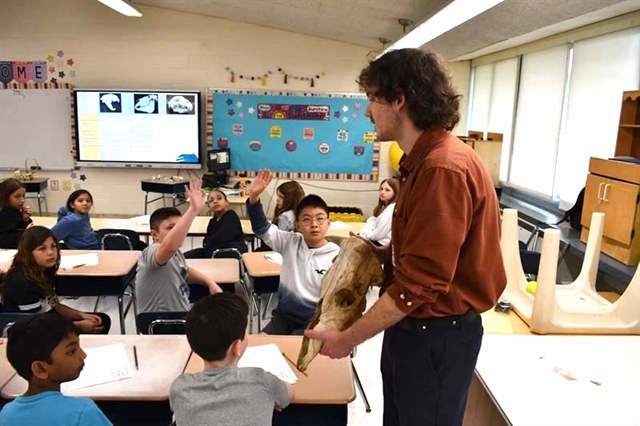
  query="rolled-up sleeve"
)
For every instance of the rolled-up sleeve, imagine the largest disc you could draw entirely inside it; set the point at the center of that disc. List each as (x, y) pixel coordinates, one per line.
(430, 226)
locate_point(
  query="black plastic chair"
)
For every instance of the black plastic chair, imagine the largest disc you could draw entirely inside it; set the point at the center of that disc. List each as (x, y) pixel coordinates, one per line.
(161, 322)
(8, 318)
(120, 239)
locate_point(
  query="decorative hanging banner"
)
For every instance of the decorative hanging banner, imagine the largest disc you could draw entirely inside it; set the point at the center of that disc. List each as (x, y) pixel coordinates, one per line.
(263, 77)
(22, 72)
(298, 135)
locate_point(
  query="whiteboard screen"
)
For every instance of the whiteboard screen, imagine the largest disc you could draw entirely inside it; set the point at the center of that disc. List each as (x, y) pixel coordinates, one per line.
(35, 124)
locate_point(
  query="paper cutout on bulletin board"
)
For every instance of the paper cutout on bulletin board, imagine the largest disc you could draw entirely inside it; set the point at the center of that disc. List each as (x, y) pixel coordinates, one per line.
(299, 135)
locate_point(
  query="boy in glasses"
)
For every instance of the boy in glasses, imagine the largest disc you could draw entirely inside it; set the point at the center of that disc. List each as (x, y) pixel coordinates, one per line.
(306, 256)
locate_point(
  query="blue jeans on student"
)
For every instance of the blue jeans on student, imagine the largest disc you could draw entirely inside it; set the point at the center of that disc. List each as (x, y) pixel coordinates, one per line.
(427, 371)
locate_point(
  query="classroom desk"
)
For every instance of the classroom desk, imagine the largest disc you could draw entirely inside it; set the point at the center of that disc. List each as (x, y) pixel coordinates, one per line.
(534, 365)
(149, 383)
(483, 406)
(320, 397)
(37, 185)
(198, 226)
(142, 399)
(258, 266)
(110, 277)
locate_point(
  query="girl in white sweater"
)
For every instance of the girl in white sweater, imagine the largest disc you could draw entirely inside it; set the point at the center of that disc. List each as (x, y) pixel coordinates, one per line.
(378, 227)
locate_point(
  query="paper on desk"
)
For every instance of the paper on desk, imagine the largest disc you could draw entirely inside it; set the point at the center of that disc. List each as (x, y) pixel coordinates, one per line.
(274, 257)
(338, 225)
(496, 323)
(270, 359)
(140, 220)
(103, 364)
(7, 255)
(72, 261)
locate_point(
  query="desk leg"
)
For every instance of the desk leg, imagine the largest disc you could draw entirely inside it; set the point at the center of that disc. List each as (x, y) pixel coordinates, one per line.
(146, 202)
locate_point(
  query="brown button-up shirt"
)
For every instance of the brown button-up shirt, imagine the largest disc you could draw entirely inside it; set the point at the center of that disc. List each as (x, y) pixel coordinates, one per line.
(445, 231)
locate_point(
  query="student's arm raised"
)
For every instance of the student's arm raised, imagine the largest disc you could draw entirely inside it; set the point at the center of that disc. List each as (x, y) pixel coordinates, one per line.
(174, 239)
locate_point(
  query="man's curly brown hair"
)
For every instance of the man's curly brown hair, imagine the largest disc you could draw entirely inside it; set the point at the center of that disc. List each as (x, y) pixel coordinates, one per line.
(423, 78)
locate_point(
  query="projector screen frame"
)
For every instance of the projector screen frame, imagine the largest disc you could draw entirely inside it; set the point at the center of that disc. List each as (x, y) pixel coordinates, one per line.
(146, 164)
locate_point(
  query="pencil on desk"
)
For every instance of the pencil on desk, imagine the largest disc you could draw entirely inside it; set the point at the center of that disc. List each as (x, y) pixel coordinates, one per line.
(294, 364)
(78, 266)
(135, 356)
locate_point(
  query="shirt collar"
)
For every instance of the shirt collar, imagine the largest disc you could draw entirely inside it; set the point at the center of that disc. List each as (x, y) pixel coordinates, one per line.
(425, 143)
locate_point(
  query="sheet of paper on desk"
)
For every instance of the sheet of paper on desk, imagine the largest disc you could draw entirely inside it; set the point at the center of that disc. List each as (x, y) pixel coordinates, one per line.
(338, 225)
(7, 255)
(269, 358)
(140, 220)
(76, 260)
(103, 364)
(274, 257)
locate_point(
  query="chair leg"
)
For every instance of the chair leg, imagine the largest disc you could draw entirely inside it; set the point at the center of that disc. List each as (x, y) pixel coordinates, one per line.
(359, 386)
(95, 308)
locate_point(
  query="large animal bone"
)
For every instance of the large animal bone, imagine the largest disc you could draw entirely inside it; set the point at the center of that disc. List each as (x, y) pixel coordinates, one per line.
(342, 294)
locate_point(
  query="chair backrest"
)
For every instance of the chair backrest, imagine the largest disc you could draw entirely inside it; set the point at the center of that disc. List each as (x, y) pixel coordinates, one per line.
(117, 239)
(7, 319)
(161, 322)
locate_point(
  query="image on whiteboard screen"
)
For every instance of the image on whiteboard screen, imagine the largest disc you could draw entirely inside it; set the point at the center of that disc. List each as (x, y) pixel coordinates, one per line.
(129, 127)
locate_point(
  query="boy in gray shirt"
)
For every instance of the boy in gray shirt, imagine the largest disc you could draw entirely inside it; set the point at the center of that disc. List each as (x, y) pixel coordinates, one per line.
(224, 394)
(161, 283)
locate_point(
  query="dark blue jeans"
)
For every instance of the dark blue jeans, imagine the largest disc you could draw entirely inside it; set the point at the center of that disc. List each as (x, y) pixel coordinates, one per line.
(426, 374)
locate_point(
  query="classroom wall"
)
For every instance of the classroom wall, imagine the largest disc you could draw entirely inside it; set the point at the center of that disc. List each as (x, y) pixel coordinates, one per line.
(173, 50)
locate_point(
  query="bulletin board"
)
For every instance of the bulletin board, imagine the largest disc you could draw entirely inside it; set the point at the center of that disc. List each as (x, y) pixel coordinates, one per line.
(37, 124)
(298, 135)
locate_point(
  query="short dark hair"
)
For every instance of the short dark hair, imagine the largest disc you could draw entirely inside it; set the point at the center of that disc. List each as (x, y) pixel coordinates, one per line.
(423, 78)
(311, 200)
(75, 195)
(8, 187)
(34, 338)
(162, 214)
(214, 323)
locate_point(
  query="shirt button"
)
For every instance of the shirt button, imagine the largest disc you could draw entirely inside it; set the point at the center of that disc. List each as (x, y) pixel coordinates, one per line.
(409, 303)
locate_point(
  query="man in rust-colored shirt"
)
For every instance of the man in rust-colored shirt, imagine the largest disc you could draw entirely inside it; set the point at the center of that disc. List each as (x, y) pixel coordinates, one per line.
(444, 264)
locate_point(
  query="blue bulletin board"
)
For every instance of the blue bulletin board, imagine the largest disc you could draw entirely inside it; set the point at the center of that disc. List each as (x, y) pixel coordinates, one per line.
(298, 135)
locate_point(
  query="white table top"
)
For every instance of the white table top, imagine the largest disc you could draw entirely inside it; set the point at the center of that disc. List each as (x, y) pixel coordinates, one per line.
(527, 378)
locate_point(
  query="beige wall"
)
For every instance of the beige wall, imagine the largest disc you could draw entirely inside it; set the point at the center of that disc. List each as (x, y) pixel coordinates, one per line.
(173, 50)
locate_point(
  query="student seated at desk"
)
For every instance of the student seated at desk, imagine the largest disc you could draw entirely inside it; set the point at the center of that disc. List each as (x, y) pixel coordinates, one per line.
(306, 256)
(378, 227)
(45, 351)
(74, 223)
(30, 281)
(224, 229)
(15, 216)
(161, 283)
(224, 394)
(288, 196)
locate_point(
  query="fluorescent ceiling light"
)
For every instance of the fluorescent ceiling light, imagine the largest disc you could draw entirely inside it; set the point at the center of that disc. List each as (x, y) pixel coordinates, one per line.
(123, 7)
(456, 13)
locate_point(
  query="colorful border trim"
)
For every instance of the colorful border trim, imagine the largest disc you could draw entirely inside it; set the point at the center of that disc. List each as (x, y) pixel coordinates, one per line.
(375, 166)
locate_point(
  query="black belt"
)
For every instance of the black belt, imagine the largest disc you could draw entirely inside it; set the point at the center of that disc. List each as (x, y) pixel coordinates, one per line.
(430, 325)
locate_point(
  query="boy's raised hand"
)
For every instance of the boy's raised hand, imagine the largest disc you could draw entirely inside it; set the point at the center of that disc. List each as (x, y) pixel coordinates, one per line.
(259, 184)
(193, 191)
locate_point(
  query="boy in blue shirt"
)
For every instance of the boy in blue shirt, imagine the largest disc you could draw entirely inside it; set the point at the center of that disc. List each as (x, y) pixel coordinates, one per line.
(45, 351)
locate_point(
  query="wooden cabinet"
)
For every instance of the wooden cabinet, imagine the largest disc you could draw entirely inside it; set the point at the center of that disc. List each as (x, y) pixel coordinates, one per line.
(628, 142)
(613, 188)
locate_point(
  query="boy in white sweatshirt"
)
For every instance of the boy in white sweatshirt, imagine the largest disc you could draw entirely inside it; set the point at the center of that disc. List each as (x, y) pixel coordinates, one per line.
(306, 256)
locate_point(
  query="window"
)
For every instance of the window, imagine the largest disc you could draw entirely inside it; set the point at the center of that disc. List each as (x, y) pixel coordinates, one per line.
(567, 102)
(492, 104)
(603, 68)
